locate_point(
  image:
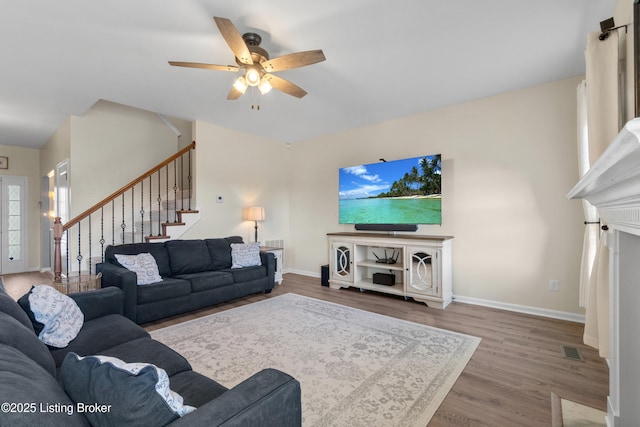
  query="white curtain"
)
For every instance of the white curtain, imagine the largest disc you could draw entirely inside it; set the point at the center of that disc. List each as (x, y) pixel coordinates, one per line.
(591, 229)
(596, 328)
(603, 124)
(603, 95)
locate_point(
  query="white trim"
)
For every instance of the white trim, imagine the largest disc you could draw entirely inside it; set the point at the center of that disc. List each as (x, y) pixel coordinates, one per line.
(302, 273)
(170, 125)
(535, 311)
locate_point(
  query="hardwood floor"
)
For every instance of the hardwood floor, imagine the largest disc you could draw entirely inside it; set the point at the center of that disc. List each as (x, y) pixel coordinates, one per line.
(509, 379)
(19, 284)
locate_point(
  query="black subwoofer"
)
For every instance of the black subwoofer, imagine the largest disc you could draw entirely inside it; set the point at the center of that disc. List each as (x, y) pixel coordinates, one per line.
(324, 275)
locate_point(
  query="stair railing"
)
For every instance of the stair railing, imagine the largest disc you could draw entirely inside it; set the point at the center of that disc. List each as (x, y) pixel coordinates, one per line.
(141, 211)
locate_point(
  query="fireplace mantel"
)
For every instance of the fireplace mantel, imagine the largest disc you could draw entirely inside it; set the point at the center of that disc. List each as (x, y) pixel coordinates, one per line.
(613, 186)
(613, 182)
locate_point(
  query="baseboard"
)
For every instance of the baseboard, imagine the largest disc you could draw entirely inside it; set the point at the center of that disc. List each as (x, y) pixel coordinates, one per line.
(535, 311)
(302, 272)
(556, 411)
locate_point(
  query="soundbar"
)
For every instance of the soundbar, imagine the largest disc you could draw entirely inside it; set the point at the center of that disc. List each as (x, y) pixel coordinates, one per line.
(387, 227)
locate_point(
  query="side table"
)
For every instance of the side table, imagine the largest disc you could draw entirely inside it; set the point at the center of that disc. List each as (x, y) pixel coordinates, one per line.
(278, 254)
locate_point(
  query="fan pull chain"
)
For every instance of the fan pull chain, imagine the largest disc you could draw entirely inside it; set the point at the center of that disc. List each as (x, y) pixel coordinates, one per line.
(256, 99)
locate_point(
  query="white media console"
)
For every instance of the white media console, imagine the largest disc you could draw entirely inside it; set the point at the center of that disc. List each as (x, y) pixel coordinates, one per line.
(413, 266)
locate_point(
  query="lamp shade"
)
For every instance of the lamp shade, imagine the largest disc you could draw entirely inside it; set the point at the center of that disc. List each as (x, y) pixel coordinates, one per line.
(254, 213)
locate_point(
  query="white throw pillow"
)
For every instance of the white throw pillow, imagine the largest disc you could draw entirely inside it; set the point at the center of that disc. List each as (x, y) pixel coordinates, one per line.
(60, 315)
(143, 264)
(245, 254)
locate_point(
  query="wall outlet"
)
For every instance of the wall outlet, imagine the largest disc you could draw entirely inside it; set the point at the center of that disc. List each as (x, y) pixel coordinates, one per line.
(553, 285)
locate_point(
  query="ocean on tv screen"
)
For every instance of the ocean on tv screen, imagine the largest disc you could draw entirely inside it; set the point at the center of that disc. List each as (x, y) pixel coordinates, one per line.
(397, 210)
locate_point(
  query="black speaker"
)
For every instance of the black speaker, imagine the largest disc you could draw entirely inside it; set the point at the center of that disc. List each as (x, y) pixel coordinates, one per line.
(324, 275)
(384, 279)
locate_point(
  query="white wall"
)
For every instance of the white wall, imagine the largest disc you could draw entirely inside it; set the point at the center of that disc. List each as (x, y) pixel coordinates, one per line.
(246, 171)
(508, 162)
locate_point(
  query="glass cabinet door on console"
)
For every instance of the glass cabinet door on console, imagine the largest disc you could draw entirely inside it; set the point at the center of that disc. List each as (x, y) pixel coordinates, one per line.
(422, 271)
(342, 266)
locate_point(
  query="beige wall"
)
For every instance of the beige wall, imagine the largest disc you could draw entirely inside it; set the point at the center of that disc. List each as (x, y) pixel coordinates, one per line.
(508, 162)
(26, 162)
(56, 149)
(113, 144)
(107, 147)
(246, 171)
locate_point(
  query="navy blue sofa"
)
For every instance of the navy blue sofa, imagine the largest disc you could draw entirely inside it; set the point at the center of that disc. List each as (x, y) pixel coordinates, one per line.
(31, 385)
(195, 274)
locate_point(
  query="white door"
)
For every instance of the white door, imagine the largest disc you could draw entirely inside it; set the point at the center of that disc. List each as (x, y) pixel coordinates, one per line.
(13, 224)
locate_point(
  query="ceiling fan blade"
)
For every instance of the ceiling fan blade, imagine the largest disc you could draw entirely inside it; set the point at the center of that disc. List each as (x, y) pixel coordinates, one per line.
(293, 60)
(285, 86)
(234, 40)
(207, 66)
(234, 93)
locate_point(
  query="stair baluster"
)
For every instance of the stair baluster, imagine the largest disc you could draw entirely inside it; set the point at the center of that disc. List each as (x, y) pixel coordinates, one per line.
(84, 223)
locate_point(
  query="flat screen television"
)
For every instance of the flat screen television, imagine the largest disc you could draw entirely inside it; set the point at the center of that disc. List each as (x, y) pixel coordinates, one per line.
(393, 195)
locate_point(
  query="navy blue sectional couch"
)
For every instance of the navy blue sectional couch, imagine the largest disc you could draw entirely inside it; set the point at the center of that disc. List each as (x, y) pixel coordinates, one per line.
(33, 391)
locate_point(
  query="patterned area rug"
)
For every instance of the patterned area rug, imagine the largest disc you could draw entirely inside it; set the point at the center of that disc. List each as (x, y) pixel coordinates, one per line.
(355, 368)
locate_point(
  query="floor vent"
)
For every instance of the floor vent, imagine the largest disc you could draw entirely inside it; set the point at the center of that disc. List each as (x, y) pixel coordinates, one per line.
(572, 353)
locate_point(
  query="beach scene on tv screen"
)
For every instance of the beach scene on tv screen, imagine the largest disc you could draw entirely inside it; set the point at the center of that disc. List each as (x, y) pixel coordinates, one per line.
(406, 191)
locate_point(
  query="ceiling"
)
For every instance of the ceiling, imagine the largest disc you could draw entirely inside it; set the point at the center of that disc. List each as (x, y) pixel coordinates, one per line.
(384, 59)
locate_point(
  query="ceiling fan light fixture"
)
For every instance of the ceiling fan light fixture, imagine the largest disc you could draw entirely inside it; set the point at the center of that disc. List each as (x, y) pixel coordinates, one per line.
(240, 84)
(253, 77)
(254, 63)
(264, 86)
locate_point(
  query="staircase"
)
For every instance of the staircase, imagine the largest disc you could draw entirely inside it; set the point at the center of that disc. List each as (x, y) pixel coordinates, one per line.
(169, 222)
(155, 207)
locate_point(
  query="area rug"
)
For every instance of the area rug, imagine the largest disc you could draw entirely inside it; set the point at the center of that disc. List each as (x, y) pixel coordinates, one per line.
(356, 368)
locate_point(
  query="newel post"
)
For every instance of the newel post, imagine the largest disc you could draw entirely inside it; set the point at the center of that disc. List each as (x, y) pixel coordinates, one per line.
(57, 255)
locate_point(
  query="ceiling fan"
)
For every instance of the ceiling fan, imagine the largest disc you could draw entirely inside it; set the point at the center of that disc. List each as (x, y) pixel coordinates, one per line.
(255, 62)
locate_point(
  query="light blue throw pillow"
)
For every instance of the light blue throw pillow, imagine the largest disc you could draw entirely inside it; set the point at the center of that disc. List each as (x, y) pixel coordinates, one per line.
(245, 255)
(60, 315)
(143, 264)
